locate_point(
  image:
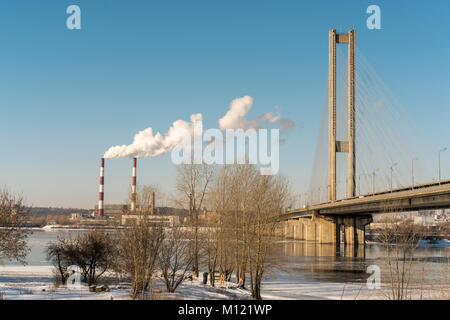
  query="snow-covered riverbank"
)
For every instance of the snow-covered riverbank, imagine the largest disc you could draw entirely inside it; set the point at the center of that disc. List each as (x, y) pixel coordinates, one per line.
(37, 283)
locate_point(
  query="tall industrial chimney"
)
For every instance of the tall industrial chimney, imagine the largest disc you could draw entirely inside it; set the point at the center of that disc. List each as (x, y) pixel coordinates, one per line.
(102, 182)
(133, 187)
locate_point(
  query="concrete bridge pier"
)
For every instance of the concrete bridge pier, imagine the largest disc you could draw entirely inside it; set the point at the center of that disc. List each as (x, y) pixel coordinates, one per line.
(353, 227)
(349, 229)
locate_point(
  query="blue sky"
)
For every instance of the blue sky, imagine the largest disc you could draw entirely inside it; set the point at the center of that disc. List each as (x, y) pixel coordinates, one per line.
(68, 95)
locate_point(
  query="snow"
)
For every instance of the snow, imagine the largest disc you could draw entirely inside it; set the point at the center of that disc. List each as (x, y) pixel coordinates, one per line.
(315, 291)
(37, 283)
(343, 291)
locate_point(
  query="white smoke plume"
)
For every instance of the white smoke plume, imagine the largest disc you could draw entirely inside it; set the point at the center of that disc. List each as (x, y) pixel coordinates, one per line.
(235, 118)
(146, 144)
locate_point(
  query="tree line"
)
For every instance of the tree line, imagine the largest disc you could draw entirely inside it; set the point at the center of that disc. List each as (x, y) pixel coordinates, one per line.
(229, 230)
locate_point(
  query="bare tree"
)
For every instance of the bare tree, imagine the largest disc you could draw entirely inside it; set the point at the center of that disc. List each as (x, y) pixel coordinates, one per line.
(221, 247)
(242, 180)
(268, 199)
(13, 237)
(210, 246)
(93, 252)
(193, 184)
(56, 254)
(401, 237)
(138, 249)
(247, 205)
(175, 258)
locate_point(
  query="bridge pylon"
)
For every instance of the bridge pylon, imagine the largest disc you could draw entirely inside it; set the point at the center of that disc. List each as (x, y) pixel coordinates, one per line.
(334, 145)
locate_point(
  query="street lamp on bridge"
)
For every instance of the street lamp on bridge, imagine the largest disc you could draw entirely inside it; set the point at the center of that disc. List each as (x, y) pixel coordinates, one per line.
(319, 194)
(359, 182)
(412, 171)
(439, 161)
(373, 180)
(346, 187)
(392, 168)
(359, 185)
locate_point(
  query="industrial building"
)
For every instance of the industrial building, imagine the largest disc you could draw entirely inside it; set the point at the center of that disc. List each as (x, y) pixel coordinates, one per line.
(168, 221)
(114, 209)
(126, 213)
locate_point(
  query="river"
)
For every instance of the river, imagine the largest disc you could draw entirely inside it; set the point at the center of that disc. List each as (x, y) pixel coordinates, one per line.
(296, 263)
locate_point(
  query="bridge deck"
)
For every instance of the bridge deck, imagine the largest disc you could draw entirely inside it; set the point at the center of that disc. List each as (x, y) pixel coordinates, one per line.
(425, 196)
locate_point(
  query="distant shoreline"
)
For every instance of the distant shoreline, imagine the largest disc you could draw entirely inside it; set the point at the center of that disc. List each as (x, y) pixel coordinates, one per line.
(72, 228)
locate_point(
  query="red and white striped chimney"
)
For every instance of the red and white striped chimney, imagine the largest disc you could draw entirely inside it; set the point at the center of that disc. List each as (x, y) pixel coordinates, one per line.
(133, 187)
(102, 182)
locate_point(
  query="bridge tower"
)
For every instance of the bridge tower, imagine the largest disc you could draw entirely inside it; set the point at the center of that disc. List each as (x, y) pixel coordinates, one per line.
(349, 145)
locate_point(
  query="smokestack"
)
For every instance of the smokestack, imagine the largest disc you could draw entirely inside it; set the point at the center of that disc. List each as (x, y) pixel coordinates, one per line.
(153, 202)
(102, 182)
(133, 187)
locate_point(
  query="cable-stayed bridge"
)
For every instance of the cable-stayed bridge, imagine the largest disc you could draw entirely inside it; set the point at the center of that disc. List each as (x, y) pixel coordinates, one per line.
(370, 157)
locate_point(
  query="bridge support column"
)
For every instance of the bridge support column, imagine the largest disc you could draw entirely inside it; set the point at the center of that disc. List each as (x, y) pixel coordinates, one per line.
(298, 230)
(289, 229)
(332, 115)
(294, 229)
(361, 223)
(353, 227)
(351, 114)
(334, 145)
(329, 229)
(310, 229)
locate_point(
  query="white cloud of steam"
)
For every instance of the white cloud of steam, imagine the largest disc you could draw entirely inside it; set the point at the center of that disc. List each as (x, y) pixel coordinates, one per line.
(235, 118)
(146, 144)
